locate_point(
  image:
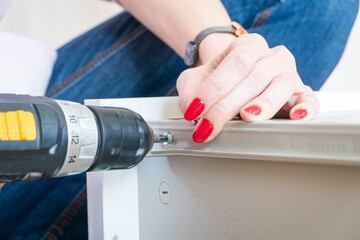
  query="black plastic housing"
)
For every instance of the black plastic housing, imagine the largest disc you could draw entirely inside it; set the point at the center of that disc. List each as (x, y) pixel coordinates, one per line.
(125, 138)
(43, 157)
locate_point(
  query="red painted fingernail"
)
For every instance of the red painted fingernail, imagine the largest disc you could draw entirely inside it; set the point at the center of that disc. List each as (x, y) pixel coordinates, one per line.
(202, 131)
(254, 110)
(300, 113)
(194, 110)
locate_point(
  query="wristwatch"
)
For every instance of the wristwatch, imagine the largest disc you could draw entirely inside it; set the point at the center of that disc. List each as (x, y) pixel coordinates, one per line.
(192, 47)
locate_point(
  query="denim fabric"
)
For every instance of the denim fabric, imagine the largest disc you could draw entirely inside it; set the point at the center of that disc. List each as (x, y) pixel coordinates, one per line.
(120, 58)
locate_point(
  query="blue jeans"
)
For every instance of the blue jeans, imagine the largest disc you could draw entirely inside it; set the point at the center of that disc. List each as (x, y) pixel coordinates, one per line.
(121, 58)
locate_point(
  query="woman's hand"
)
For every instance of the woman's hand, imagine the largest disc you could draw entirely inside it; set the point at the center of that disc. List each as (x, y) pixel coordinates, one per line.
(247, 78)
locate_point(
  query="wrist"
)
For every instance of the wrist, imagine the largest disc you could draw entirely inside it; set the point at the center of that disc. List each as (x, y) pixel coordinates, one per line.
(213, 45)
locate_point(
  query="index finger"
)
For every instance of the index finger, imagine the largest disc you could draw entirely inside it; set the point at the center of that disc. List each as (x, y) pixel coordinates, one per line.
(235, 66)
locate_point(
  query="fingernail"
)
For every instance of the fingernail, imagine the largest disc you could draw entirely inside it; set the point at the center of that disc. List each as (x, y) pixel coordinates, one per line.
(203, 131)
(254, 110)
(300, 113)
(194, 110)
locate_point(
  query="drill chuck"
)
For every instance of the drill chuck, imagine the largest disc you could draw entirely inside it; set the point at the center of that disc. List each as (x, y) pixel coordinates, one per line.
(70, 138)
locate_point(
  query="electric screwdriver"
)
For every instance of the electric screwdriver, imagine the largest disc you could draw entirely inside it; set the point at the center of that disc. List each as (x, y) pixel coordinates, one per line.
(42, 138)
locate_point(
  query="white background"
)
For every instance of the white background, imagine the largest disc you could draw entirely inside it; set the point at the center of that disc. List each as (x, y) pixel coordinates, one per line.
(57, 21)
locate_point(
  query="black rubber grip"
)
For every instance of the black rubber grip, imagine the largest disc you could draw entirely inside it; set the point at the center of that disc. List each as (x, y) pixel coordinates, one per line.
(41, 158)
(125, 138)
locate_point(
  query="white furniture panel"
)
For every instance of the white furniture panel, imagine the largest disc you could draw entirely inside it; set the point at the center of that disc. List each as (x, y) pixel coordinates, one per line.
(278, 179)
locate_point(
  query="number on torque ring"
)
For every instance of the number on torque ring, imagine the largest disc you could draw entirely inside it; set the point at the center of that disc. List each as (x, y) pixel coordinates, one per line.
(72, 159)
(75, 139)
(73, 119)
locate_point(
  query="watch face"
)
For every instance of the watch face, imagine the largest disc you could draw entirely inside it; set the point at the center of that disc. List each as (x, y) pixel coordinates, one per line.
(191, 52)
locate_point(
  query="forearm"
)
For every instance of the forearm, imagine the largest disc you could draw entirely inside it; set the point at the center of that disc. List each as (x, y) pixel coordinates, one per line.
(178, 22)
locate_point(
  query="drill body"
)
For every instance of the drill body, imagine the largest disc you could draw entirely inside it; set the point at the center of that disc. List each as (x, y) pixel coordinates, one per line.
(42, 138)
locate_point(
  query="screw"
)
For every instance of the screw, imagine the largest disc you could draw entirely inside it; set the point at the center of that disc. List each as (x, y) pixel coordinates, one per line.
(164, 193)
(165, 138)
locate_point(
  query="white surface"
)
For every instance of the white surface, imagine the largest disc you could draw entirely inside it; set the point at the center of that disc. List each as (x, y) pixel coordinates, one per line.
(151, 108)
(96, 204)
(120, 200)
(26, 65)
(229, 195)
(346, 75)
(56, 22)
(339, 101)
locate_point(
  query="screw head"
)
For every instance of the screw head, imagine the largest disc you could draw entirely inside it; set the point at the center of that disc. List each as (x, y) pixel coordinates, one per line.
(164, 193)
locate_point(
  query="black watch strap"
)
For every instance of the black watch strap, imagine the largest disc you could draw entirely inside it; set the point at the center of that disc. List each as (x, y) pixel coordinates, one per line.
(192, 47)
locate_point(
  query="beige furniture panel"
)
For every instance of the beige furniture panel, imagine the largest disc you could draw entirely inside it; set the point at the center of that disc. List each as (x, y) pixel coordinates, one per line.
(273, 180)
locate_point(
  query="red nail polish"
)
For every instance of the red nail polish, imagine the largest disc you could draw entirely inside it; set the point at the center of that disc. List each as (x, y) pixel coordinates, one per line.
(194, 110)
(254, 110)
(300, 113)
(202, 131)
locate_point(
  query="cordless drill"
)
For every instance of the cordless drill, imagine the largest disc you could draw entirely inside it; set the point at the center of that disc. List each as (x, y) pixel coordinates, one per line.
(42, 138)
